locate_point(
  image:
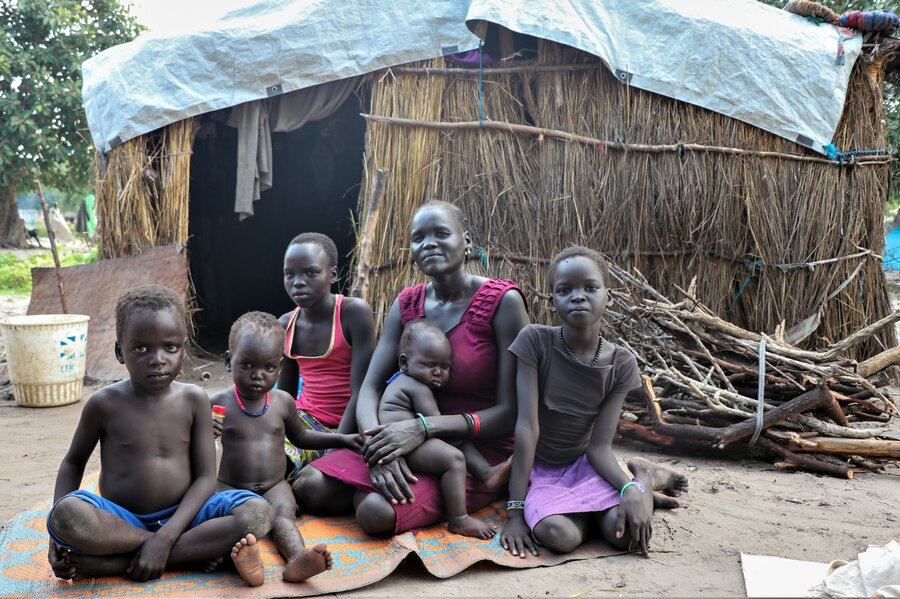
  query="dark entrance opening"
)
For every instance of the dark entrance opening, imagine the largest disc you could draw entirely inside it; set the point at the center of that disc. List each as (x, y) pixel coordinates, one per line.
(236, 265)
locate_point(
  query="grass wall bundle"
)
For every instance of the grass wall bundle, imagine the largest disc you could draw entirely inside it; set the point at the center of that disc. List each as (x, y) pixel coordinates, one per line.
(772, 232)
(142, 191)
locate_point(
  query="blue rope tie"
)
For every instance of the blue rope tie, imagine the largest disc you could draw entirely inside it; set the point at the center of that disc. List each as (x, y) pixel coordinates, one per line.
(480, 83)
(482, 255)
(753, 266)
(834, 153)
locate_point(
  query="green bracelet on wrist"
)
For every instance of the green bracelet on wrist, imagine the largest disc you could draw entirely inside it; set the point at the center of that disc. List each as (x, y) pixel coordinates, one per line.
(637, 483)
(424, 424)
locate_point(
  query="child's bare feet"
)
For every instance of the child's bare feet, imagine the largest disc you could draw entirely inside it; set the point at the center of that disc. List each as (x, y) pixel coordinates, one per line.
(665, 479)
(468, 526)
(309, 563)
(497, 476)
(92, 566)
(212, 563)
(661, 501)
(245, 556)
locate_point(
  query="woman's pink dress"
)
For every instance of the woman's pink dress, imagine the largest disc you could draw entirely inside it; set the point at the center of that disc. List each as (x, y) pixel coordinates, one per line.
(472, 387)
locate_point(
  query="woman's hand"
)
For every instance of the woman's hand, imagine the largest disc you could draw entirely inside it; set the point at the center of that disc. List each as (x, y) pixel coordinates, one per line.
(636, 509)
(390, 441)
(516, 537)
(392, 480)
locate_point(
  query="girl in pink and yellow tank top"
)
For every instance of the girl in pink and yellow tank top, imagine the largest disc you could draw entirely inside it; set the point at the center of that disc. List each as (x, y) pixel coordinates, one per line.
(328, 343)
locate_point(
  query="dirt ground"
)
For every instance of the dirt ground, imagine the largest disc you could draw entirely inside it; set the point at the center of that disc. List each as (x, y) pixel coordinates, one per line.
(733, 505)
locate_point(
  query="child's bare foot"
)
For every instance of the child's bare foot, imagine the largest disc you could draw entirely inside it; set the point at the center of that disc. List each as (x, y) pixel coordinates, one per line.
(661, 501)
(212, 563)
(665, 479)
(468, 526)
(245, 556)
(497, 476)
(92, 566)
(309, 563)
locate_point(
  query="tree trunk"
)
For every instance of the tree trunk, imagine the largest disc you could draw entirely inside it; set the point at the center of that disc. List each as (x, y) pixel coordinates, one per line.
(12, 229)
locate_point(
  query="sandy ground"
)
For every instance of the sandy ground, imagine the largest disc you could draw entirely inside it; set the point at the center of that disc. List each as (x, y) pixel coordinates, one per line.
(733, 505)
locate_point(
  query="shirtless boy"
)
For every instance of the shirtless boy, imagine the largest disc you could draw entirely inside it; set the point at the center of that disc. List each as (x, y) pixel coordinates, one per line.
(253, 432)
(156, 506)
(425, 368)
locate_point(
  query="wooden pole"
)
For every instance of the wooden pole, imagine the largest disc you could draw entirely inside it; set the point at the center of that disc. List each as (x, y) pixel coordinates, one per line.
(792, 460)
(884, 448)
(373, 214)
(542, 133)
(472, 72)
(52, 235)
(878, 363)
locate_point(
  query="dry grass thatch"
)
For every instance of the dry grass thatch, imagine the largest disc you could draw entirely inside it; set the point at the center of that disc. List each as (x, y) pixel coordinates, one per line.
(142, 191)
(771, 238)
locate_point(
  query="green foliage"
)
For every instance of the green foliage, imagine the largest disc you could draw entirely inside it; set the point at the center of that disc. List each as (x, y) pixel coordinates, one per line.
(15, 273)
(43, 133)
(891, 208)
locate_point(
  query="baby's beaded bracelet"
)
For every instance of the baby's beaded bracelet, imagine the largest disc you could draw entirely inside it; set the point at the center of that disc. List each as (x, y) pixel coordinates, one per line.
(473, 424)
(515, 505)
(634, 481)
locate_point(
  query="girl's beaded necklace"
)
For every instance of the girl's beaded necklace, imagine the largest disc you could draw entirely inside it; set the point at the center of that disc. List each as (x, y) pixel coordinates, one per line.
(572, 355)
(244, 410)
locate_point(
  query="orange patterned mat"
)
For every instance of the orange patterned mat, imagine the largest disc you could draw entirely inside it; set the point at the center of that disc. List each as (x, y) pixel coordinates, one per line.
(359, 560)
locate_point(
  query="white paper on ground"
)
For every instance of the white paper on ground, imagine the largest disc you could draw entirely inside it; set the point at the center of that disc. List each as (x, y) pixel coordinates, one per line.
(767, 576)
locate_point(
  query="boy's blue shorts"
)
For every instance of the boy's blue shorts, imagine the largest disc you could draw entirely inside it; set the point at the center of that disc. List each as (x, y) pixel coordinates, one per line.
(220, 504)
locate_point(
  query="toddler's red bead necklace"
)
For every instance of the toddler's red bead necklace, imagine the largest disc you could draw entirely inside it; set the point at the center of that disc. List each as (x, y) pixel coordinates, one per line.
(244, 410)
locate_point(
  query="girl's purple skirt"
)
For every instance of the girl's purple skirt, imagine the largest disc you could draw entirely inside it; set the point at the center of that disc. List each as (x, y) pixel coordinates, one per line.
(570, 489)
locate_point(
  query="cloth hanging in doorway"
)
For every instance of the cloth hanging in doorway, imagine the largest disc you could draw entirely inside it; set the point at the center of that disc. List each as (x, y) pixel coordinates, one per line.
(257, 120)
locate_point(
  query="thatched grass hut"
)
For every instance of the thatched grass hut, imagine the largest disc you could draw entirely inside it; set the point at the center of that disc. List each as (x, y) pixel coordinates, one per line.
(546, 151)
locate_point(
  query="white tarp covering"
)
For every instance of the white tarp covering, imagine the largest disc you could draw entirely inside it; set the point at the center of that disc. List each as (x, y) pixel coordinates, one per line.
(737, 57)
(269, 47)
(741, 58)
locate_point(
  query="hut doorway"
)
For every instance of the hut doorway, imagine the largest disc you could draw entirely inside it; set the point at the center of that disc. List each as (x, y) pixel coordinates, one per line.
(236, 265)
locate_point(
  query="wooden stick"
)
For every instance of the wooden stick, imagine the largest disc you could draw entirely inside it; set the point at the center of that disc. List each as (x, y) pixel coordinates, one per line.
(52, 236)
(805, 463)
(878, 363)
(859, 400)
(609, 145)
(373, 213)
(463, 71)
(866, 447)
(644, 433)
(861, 335)
(833, 408)
(836, 430)
(808, 265)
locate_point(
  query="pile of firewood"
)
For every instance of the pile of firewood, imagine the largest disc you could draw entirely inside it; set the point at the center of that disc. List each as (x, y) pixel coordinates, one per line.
(705, 378)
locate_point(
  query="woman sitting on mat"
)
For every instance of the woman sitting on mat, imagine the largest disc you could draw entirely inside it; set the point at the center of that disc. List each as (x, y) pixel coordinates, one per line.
(481, 318)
